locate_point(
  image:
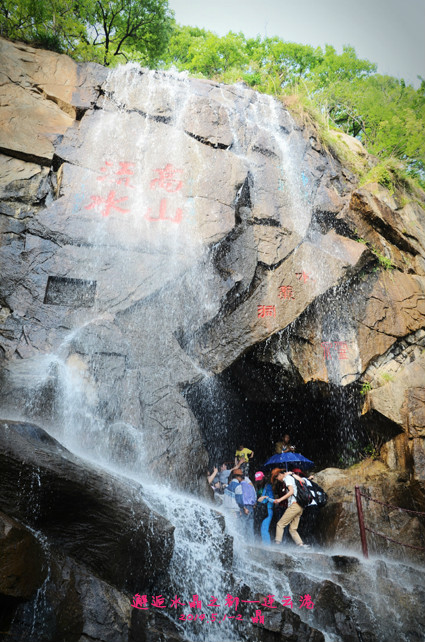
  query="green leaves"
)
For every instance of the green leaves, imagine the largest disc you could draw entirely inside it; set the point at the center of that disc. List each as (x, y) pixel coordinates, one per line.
(106, 31)
(383, 112)
(203, 52)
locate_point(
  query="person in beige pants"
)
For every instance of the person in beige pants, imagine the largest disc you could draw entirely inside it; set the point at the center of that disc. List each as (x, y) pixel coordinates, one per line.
(294, 511)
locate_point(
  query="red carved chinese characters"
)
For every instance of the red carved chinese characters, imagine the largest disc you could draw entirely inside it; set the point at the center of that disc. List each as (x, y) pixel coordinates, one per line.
(266, 311)
(168, 179)
(286, 292)
(332, 347)
(163, 213)
(341, 348)
(105, 205)
(303, 276)
(120, 177)
(116, 174)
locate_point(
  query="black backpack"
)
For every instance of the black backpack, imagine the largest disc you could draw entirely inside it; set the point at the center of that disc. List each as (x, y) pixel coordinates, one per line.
(304, 496)
(319, 494)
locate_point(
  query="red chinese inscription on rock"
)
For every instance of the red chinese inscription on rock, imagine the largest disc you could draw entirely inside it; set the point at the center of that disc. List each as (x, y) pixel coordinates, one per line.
(303, 276)
(121, 176)
(266, 311)
(105, 205)
(163, 206)
(167, 179)
(114, 174)
(286, 292)
(332, 347)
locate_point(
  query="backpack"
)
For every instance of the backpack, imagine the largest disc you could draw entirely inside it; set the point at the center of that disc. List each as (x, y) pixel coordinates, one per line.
(319, 494)
(261, 510)
(304, 496)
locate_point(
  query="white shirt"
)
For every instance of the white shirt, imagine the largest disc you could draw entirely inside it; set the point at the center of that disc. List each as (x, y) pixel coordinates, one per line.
(290, 481)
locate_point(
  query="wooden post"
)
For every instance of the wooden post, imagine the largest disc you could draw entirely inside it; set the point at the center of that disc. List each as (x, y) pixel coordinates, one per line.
(361, 522)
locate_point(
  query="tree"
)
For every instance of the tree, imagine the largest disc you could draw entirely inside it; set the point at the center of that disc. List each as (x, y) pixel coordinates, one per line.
(102, 30)
(289, 61)
(340, 67)
(387, 115)
(203, 52)
(123, 27)
(40, 23)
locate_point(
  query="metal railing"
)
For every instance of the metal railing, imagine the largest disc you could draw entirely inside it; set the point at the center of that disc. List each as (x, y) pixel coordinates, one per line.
(364, 528)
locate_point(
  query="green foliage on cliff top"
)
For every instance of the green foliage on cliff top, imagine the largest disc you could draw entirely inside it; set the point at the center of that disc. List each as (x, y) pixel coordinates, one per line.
(339, 90)
(105, 31)
(346, 93)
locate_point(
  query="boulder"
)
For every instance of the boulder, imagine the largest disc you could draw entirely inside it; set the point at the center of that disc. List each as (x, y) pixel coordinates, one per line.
(159, 231)
(338, 523)
(23, 563)
(339, 596)
(81, 509)
(400, 394)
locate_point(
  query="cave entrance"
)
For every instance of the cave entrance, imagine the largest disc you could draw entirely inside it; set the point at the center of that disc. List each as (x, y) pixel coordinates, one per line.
(253, 403)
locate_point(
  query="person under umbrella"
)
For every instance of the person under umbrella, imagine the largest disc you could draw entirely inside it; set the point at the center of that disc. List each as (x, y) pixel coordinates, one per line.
(294, 511)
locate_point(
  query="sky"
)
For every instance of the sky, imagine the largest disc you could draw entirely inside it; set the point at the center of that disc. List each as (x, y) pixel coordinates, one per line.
(390, 33)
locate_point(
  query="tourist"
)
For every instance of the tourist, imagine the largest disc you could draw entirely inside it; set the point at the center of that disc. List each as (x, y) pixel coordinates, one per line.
(246, 499)
(260, 512)
(229, 497)
(224, 474)
(279, 489)
(266, 499)
(307, 526)
(284, 445)
(219, 479)
(294, 511)
(244, 454)
(213, 479)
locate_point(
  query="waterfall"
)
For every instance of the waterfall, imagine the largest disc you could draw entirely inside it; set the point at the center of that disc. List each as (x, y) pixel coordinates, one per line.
(155, 217)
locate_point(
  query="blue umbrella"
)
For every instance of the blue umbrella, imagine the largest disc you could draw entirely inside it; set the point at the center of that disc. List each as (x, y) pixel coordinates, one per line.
(289, 458)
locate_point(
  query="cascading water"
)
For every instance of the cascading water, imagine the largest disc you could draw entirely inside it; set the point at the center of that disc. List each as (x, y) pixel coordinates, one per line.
(145, 192)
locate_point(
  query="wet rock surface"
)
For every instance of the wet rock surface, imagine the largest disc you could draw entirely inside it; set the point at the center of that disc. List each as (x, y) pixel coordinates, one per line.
(249, 230)
(328, 582)
(81, 510)
(158, 233)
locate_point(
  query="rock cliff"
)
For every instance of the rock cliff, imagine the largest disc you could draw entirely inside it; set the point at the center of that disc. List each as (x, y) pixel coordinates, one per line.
(184, 265)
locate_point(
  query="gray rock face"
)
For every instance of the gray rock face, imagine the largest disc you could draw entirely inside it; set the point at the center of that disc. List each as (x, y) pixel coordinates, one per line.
(351, 601)
(83, 512)
(159, 231)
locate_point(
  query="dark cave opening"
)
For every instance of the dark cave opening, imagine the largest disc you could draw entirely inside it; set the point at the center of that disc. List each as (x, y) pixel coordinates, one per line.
(251, 403)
